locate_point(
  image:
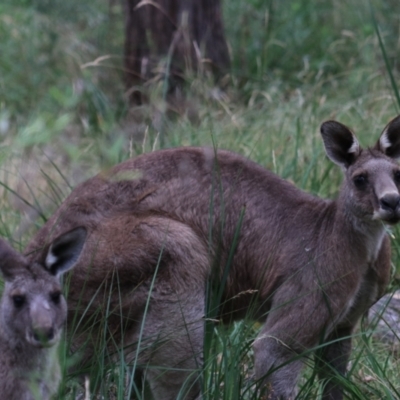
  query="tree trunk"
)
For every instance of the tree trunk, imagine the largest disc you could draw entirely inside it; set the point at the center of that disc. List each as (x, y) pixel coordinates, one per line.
(165, 38)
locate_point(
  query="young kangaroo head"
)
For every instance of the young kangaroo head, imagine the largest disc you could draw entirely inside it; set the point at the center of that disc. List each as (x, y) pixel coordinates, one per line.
(371, 188)
(32, 308)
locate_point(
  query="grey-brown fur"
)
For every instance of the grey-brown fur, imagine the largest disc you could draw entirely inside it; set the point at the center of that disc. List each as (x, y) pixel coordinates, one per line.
(307, 268)
(32, 313)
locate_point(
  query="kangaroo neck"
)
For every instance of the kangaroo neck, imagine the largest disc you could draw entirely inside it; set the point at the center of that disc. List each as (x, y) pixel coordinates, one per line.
(364, 232)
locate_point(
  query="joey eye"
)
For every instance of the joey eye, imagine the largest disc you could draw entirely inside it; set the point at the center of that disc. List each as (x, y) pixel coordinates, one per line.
(55, 297)
(360, 181)
(18, 300)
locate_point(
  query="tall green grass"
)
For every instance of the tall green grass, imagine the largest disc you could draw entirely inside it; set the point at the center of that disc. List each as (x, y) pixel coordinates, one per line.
(63, 117)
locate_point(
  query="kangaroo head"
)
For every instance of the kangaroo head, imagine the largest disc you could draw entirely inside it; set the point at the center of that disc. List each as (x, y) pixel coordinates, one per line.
(372, 176)
(32, 308)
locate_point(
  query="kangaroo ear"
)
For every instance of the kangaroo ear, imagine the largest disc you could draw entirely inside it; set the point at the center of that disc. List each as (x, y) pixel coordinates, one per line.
(11, 262)
(389, 142)
(64, 252)
(341, 145)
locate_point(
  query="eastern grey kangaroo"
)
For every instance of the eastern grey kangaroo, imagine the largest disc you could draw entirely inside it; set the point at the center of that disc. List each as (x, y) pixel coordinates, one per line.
(164, 225)
(32, 313)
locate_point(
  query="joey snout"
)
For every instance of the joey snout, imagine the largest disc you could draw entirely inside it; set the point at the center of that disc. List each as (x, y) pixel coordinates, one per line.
(42, 332)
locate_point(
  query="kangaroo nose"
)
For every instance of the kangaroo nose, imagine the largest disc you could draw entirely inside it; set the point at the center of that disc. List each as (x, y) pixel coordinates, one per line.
(43, 335)
(390, 201)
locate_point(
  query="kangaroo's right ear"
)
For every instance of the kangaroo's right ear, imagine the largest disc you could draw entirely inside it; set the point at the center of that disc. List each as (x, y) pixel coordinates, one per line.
(64, 252)
(11, 262)
(341, 145)
(389, 142)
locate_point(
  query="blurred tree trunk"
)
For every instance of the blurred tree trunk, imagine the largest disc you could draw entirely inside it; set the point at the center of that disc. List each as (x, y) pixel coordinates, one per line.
(168, 37)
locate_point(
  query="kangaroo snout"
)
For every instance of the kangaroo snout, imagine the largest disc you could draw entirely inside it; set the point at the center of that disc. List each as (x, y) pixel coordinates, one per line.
(42, 332)
(389, 205)
(390, 201)
(42, 337)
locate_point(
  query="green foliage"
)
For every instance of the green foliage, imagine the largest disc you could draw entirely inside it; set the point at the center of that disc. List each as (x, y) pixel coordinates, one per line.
(63, 117)
(301, 41)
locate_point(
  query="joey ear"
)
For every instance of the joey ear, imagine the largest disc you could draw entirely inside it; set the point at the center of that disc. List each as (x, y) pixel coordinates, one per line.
(64, 252)
(389, 141)
(340, 143)
(11, 262)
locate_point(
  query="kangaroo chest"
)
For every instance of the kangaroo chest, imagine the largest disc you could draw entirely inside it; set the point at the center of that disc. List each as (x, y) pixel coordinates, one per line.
(366, 295)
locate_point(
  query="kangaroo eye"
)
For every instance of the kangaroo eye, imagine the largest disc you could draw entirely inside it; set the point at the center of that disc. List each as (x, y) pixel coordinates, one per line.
(397, 176)
(360, 181)
(19, 300)
(55, 297)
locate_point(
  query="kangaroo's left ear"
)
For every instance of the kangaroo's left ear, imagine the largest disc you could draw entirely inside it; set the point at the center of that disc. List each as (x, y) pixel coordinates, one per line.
(389, 142)
(65, 250)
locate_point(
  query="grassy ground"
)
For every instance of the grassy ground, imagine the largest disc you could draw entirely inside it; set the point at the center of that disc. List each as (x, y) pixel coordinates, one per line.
(63, 117)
